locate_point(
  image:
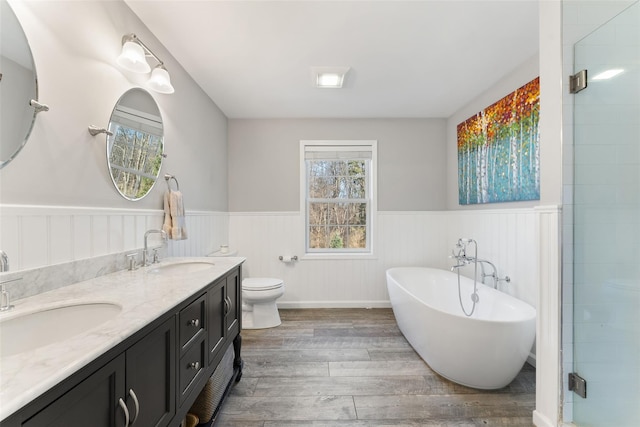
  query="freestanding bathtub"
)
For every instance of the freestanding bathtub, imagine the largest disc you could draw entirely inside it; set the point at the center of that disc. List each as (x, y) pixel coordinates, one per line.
(486, 350)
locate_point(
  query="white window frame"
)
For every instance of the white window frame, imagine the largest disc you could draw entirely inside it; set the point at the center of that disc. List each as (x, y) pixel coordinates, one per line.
(341, 145)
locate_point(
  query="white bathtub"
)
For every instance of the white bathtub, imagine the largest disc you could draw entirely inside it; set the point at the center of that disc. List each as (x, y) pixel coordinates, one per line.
(486, 350)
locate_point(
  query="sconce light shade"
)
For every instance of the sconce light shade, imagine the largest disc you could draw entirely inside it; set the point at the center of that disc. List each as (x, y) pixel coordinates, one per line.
(133, 58)
(160, 80)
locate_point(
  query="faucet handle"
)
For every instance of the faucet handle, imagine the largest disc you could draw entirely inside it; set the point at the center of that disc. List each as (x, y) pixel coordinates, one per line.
(132, 261)
(5, 300)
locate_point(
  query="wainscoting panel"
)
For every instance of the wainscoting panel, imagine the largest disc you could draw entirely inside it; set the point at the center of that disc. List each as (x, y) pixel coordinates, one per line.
(505, 237)
(40, 236)
(548, 332)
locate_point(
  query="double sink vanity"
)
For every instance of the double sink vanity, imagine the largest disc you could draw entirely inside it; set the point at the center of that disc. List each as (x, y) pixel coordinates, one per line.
(123, 349)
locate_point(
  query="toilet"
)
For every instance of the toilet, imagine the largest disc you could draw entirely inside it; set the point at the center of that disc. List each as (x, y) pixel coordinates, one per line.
(259, 295)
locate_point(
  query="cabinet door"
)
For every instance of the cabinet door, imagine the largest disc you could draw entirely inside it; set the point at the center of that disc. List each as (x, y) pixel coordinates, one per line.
(234, 296)
(94, 402)
(215, 318)
(151, 364)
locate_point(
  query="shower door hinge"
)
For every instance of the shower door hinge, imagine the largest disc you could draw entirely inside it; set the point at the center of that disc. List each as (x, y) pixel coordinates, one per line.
(578, 82)
(578, 385)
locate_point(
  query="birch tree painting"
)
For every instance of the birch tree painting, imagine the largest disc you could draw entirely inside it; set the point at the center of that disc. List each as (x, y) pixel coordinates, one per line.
(499, 150)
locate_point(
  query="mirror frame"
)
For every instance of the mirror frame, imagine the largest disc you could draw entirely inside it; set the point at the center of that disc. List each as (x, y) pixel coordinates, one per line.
(140, 144)
(29, 128)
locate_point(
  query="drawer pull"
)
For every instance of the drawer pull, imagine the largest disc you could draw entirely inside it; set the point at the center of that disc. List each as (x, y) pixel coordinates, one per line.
(126, 412)
(194, 365)
(194, 322)
(136, 403)
(227, 306)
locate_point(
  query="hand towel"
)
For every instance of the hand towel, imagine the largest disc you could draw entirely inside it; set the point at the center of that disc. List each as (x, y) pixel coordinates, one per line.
(176, 208)
(166, 227)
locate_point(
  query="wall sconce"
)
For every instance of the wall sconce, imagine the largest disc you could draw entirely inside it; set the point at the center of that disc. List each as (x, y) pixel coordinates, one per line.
(134, 58)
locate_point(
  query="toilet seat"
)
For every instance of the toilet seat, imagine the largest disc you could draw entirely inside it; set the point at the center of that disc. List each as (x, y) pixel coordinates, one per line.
(261, 284)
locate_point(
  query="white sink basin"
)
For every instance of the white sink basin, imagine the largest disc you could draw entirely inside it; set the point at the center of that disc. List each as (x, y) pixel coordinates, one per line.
(185, 267)
(30, 331)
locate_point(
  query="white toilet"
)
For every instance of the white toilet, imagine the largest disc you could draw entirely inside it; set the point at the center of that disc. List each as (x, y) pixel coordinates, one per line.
(259, 297)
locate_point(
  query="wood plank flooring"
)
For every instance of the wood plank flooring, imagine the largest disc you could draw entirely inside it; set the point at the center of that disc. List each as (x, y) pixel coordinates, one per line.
(354, 368)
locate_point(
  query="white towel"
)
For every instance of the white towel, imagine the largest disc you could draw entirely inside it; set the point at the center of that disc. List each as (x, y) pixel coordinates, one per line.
(174, 223)
(166, 227)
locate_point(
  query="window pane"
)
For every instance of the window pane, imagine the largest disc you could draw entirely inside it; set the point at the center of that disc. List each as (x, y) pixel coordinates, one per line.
(318, 213)
(320, 187)
(337, 237)
(318, 237)
(339, 168)
(358, 214)
(357, 237)
(338, 214)
(358, 188)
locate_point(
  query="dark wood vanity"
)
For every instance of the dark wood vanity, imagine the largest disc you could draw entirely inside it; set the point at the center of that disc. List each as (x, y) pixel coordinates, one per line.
(152, 378)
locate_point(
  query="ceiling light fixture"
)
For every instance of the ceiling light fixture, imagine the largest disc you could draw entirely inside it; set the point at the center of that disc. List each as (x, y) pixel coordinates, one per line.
(605, 75)
(134, 58)
(328, 77)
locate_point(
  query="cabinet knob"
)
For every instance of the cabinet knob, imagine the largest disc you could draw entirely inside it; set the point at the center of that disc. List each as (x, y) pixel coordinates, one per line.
(194, 365)
(194, 322)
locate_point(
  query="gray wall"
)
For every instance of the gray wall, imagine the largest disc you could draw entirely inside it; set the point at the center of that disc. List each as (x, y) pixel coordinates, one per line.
(75, 46)
(264, 161)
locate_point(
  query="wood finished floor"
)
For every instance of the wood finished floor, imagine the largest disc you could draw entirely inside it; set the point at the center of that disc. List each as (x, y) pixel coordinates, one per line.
(354, 368)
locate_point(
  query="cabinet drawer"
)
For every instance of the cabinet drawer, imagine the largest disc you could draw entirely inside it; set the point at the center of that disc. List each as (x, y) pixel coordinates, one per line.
(192, 320)
(192, 367)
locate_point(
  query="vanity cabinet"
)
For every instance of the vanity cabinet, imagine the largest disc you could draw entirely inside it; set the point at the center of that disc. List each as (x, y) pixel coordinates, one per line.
(224, 300)
(153, 376)
(139, 382)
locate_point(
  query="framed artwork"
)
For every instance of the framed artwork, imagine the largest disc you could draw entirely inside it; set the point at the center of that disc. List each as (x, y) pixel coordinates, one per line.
(499, 150)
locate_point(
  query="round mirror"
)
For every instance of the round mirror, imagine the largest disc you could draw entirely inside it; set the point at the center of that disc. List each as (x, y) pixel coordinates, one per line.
(18, 86)
(135, 146)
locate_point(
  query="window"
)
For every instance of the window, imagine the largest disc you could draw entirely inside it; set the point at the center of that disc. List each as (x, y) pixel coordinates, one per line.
(338, 196)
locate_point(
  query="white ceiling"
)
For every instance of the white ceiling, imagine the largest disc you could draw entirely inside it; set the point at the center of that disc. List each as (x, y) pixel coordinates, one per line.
(421, 58)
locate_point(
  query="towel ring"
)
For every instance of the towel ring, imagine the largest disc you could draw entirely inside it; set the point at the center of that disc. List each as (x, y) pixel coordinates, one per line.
(168, 177)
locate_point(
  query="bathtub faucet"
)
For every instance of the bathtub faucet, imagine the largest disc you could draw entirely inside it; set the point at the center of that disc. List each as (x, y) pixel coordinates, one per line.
(494, 273)
(460, 253)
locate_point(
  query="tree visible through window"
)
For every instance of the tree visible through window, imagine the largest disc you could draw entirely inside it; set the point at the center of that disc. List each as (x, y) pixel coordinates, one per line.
(338, 198)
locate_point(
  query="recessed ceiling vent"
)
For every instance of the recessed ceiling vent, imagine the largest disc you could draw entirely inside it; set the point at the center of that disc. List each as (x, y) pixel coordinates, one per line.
(328, 77)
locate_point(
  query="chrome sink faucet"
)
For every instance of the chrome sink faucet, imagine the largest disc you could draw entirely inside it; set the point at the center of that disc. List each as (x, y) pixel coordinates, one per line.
(5, 303)
(145, 252)
(4, 261)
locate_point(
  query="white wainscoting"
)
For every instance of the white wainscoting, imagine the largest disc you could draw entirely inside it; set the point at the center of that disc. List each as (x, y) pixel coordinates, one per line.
(548, 327)
(508, 238)
(39, 236)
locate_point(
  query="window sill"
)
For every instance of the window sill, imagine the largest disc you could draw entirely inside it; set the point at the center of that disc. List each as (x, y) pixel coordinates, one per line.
(340, 256)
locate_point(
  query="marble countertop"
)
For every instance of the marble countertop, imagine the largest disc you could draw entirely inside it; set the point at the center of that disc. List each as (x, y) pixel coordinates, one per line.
(143, 295)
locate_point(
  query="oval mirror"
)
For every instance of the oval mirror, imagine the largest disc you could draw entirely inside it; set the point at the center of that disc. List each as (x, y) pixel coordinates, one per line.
(18, 86)
(135, 148)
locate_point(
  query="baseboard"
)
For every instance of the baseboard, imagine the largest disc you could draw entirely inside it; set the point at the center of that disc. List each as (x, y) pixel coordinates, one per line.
(334, 304)
(531, 360)
(540, 420)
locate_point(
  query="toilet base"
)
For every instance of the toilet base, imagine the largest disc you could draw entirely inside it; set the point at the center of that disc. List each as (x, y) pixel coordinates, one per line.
(260, 316)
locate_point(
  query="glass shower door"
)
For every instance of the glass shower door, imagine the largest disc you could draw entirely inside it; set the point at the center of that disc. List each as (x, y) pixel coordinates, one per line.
(607, 224)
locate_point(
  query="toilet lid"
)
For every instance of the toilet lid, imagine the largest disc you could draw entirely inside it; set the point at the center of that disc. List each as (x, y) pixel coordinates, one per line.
(261, 284)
